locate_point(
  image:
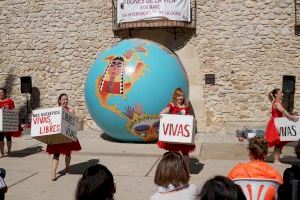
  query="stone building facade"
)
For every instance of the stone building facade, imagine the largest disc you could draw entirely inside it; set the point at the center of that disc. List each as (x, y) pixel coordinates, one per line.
(249, 46)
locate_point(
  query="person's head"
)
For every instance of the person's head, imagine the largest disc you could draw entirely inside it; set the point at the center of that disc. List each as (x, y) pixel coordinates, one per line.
(220, 188)
(96, 183)
(63, 100)
(178, 96)
(275, 94)
(258, 148)
(297, 149)
(171, 170)
(117, 62)
(2, 93)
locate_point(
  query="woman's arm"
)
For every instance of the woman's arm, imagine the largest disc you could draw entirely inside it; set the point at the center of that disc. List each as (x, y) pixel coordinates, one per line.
(279, 107)
(166, 110)
(71, 110)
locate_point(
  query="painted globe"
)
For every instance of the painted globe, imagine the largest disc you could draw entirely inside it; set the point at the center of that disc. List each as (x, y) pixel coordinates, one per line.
(129, 84)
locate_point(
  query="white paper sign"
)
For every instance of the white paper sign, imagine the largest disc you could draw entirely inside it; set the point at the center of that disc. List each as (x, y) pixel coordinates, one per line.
(138, 10)
(177, 129)
(2, 183)
(288, 130)
(9, 120)
(53, 125)
(69, 124)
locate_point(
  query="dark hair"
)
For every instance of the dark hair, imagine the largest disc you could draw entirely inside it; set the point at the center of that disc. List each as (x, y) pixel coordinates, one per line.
(272, 94)
(96, 183)
(171, 170)
(4, 91)
(297, 149)
(60, 97)
(119, 58)
(258, 147)
(221, 188)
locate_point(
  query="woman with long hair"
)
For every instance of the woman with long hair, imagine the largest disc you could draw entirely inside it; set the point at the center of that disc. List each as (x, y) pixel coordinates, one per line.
(178, 106)
(272, 135)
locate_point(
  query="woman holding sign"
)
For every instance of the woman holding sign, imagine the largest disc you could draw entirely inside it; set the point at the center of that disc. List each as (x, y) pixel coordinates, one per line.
(272, 135)
(177, 106)
(6, 103)
(65, 148)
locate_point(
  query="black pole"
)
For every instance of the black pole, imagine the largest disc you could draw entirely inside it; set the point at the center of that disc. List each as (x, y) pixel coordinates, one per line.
(27, 108)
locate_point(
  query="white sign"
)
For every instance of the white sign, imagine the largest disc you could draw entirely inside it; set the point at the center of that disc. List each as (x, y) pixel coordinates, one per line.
(177, 129)
(2, 183)
(9, 120)
(53, 125)
(138, 10)
(287, 129)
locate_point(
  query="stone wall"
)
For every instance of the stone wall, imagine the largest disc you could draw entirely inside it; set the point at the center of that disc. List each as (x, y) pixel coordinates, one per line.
(55, 42)
(248, 45)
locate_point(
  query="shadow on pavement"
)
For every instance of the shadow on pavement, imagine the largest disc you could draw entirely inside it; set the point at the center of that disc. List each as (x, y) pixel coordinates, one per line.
(292, 160)
(26, 152)
(79, 168)
(195, 166)
(106, 137)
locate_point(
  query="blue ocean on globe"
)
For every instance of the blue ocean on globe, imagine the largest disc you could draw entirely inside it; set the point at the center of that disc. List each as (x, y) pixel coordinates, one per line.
(129, 84)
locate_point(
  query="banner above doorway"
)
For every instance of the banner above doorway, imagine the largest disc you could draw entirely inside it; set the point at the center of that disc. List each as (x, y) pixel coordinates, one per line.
(140, 10)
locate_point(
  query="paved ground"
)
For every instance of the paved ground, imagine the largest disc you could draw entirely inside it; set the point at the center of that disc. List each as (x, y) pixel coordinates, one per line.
(133, 165)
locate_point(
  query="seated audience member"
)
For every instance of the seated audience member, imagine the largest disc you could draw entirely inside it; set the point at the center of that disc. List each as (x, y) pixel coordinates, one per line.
(3, 187)
(96, 183)
(257, 168)
(221, 188)
(172, 179)
(291, 178)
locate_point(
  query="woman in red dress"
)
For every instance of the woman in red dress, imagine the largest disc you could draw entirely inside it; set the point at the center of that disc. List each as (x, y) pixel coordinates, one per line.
(64, 148)
(177, 106)
(272, 135)
(6, 103)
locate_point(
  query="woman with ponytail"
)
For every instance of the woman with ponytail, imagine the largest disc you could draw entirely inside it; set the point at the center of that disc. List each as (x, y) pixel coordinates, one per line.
(272, 135)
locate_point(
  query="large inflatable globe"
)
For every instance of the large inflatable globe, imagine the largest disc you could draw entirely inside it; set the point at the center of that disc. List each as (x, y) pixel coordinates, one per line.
(129, 84)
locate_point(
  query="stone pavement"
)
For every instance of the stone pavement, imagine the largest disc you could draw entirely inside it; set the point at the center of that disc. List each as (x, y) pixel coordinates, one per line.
(132, 164)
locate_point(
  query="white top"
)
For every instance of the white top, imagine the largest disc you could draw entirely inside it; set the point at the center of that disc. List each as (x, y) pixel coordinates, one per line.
(188, 193)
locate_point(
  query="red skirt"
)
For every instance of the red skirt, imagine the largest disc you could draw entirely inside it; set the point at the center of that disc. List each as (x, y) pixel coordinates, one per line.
(14, 134)
(272, 135)
(183, 148)
(65, 148)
